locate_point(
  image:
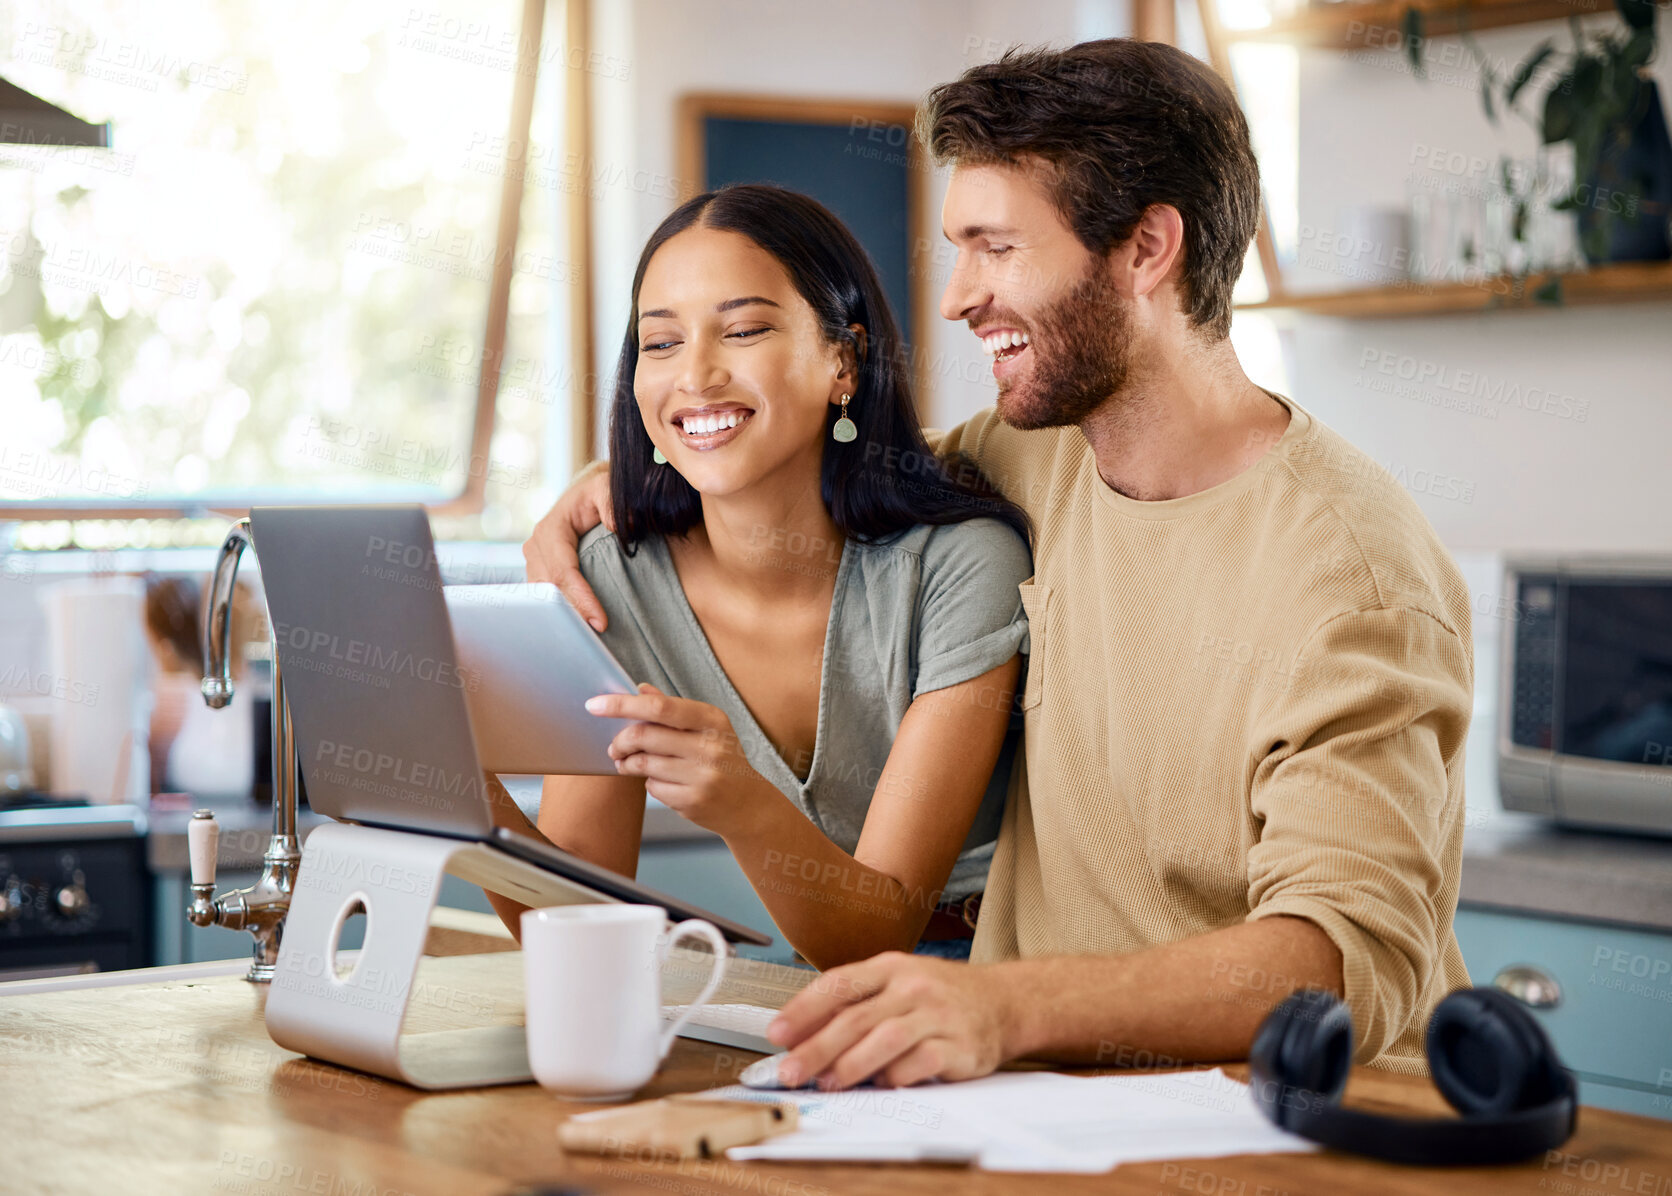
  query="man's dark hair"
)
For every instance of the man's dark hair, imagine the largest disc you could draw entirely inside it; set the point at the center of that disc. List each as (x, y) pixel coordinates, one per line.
(1119, 125)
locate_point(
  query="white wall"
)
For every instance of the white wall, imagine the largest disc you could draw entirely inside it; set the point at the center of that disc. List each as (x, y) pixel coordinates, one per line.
(1542, 430)
(859, 49)
(1581, 468)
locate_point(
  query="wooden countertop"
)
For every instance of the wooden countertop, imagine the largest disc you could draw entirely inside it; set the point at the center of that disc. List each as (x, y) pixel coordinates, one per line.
(176, 1088)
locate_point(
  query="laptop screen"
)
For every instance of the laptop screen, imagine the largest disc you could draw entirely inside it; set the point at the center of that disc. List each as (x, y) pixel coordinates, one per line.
(376, 694)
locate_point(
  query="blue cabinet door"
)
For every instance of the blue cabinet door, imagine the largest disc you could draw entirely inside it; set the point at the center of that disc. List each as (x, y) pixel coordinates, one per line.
(1613, 1024)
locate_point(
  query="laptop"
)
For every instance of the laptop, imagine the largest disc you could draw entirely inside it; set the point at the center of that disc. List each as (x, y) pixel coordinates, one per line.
(377, 697)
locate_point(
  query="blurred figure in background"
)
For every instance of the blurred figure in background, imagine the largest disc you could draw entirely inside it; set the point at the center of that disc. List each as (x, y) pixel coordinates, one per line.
(207, 753)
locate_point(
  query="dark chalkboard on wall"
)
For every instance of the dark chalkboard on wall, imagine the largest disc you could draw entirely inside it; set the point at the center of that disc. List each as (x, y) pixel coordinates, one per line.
(858, 159)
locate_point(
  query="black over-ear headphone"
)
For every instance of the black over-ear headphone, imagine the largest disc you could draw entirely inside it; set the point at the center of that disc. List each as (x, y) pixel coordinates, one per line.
(1488, 1057)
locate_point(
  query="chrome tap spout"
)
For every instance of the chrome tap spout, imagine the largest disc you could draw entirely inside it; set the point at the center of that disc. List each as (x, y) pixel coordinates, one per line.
(262, 907)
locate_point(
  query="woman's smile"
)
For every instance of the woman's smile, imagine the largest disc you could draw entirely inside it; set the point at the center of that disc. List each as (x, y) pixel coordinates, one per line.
(706, 428)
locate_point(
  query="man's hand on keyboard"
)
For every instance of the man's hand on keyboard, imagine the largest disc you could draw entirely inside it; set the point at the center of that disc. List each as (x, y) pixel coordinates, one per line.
(900, 1019)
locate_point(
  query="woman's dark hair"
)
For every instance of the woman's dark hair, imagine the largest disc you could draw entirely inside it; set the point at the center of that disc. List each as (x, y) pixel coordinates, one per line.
(1120, 125)
(885, 480)
(172, 615)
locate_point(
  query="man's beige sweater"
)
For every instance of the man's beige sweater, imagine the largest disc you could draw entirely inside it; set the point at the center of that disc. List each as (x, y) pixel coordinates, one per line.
(1245, 702)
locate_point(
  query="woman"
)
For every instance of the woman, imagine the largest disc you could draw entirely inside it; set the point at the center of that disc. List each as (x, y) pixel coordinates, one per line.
(829, 623)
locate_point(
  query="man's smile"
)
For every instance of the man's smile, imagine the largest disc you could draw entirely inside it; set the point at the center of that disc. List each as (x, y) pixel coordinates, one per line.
(1004, 346)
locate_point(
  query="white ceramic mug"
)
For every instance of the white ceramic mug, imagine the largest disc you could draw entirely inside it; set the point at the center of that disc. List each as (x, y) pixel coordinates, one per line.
(592, 978)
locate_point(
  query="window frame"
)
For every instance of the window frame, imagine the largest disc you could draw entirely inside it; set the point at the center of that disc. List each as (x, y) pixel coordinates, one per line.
(471, 497)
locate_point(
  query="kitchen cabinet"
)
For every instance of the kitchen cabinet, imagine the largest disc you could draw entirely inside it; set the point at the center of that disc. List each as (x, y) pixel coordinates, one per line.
(1612, 1022)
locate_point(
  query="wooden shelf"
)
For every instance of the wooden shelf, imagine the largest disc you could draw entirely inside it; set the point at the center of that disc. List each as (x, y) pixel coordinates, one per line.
(1376, 24)
(1626, 282)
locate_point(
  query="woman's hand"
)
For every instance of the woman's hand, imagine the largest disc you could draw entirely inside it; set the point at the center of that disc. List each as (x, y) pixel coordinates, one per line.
(688, 755)
(553, 549)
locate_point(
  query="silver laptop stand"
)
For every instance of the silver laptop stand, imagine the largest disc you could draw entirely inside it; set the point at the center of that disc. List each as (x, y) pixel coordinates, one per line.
(353, 1015)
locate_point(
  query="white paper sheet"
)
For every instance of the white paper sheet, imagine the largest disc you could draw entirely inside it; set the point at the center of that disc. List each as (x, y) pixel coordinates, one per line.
(1030, 1121)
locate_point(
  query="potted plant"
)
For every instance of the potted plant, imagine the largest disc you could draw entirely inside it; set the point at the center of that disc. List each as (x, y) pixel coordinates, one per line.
(1598, 101)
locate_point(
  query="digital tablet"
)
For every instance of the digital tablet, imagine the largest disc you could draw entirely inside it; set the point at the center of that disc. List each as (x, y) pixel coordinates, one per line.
(527, 663)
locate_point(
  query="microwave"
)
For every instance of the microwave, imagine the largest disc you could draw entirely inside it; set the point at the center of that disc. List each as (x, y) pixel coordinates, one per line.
(1585, 712)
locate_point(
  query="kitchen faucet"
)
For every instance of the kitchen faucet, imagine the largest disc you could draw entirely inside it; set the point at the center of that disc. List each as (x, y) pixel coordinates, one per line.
(261, 908)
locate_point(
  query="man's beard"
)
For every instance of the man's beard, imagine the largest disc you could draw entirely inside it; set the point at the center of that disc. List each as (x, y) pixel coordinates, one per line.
(1082, 346)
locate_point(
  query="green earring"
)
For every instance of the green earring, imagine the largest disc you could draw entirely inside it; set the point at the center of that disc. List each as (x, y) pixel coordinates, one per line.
(844, 429)
(656, 456)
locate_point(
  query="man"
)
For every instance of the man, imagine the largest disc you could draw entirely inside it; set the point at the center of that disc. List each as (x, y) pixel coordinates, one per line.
(1251, 671)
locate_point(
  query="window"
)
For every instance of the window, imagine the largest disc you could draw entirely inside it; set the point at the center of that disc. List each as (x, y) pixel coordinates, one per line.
(277, 284)
(1266, 80)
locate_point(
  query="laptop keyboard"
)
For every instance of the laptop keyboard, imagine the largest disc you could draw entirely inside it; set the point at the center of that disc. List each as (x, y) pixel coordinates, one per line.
(742, 1026)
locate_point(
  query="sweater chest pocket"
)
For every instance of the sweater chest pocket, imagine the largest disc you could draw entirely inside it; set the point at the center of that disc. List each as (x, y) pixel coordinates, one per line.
(1035, 602)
